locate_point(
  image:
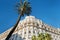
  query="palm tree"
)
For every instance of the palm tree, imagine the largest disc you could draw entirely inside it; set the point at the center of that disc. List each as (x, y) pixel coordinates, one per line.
(34, 37)
(23, 8)
(47, 36)
(40, 36)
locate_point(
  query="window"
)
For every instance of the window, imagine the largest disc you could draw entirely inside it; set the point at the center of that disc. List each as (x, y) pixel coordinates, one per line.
(24, 32)
(29, 31)
(38, 33)
(33, 31)
(24, 38)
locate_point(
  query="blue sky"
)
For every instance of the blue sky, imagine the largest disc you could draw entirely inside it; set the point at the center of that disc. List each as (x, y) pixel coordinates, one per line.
(46, 10)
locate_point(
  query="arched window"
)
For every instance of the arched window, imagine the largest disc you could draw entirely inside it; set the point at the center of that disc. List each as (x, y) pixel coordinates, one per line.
(29, 31)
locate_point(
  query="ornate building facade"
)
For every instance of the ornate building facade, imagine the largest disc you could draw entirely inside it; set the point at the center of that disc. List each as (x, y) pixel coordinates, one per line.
(31, 26)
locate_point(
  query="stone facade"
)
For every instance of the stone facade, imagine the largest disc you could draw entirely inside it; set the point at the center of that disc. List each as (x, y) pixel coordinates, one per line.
(31, 26)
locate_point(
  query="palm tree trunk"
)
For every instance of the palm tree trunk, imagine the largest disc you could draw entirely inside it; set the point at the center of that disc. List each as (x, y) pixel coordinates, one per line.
(11, 32)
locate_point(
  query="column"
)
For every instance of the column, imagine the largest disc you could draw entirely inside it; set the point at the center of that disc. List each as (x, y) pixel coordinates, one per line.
(23, 33)
(27, 33)
(31, 30)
